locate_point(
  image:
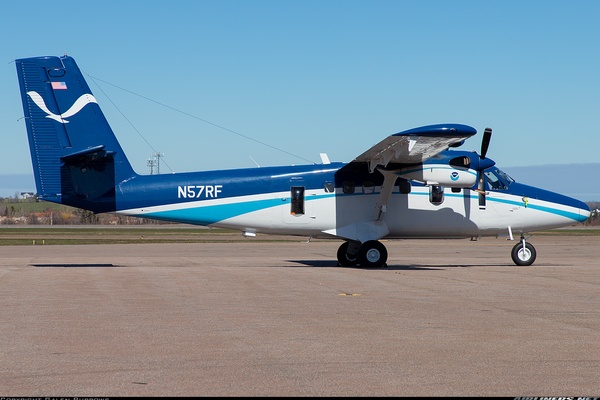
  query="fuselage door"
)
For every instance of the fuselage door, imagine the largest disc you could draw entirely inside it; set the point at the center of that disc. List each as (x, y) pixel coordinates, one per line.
(294, 211)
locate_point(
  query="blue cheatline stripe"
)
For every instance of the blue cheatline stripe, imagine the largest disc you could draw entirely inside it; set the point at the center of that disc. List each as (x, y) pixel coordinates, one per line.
(212, 214)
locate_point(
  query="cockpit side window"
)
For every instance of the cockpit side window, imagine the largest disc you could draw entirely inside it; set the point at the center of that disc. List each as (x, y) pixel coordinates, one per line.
(493, 180)
(505, 177)
(497, 179)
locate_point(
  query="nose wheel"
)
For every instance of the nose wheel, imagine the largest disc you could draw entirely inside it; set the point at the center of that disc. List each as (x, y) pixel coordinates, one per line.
(523, 253)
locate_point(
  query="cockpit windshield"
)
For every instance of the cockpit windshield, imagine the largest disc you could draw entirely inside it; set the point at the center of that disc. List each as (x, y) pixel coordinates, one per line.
(507, 178)
(498, 179)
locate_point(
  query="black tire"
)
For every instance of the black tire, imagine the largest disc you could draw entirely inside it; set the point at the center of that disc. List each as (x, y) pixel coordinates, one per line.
(523, 257)
(344, 259)
(372, 254)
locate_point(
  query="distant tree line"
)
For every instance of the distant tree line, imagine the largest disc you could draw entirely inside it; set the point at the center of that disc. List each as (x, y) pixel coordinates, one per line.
(15, 211)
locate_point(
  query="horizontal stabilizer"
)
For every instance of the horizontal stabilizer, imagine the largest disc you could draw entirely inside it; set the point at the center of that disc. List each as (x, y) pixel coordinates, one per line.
(83, 153)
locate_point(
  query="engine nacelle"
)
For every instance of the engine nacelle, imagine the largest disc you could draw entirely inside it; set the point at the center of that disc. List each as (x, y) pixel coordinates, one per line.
(440, 174)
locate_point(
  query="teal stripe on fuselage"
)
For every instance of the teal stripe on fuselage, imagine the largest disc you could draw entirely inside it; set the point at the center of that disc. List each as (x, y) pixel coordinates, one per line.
(207, 215)
(567, 214)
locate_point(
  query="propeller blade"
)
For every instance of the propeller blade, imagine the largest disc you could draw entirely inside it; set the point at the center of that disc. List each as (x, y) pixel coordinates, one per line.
(481, 189)
(485, 142)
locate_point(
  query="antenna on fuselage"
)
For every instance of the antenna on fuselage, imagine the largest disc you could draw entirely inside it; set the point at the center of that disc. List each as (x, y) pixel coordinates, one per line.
(324, 158)
(254, 161)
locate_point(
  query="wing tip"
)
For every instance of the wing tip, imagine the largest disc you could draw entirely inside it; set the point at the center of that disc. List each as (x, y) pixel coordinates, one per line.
(446, 130)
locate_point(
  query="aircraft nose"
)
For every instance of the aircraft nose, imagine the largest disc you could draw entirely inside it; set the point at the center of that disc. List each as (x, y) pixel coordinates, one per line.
(574, 209)
(582, 208)
(584, 212)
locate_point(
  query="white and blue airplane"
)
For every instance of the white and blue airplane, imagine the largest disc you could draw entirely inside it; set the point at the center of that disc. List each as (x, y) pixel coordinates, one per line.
(412, 184)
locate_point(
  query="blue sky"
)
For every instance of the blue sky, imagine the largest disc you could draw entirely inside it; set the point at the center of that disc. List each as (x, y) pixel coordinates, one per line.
(303, 77)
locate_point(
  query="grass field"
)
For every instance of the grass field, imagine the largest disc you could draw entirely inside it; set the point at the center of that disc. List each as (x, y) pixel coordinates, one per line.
(89, 234)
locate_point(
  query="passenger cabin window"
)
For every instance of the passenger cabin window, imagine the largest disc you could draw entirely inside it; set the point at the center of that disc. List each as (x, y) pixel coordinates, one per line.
(329, 187)
(348, 187)
(297, 193)
(368, 187)
(404, 186)
(436, 195)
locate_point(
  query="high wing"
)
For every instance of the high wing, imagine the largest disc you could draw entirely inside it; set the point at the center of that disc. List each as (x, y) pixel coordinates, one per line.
(415, 145)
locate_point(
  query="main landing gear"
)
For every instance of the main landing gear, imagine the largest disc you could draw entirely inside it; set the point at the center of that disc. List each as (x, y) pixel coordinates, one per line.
(370, 254)
(373, 254)
(523, 253)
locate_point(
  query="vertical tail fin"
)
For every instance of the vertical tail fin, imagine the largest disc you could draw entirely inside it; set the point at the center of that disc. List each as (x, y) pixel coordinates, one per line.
(76, 157)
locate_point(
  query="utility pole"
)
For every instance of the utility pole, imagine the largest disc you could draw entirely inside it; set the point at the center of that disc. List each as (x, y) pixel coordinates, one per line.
(151, 164)
(154, 161)
(158, 156)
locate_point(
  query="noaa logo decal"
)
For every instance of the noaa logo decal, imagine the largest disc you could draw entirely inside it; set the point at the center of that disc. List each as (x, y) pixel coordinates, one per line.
(454, 176)
(81, 102)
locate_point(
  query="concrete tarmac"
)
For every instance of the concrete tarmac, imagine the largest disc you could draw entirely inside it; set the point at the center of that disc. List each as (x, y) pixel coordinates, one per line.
(249, 318)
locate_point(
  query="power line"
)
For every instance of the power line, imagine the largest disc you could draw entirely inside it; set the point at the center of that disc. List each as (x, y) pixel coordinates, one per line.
(126, 119)
(197, 118)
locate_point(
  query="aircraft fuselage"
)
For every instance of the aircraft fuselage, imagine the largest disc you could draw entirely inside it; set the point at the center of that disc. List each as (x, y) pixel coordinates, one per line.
(320, 200)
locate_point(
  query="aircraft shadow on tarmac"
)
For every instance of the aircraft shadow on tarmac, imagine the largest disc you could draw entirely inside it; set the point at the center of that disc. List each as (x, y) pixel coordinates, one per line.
(308, 263)
(412, 267)
(73, 265)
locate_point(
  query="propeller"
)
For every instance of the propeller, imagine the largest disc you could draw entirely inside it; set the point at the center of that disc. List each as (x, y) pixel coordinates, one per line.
(485, 144)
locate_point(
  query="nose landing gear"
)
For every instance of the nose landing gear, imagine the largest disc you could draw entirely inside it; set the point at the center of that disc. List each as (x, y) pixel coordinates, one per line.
(523, 253)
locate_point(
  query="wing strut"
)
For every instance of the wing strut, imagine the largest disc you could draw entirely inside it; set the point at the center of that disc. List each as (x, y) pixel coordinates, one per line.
(374, 228)
(387, 187)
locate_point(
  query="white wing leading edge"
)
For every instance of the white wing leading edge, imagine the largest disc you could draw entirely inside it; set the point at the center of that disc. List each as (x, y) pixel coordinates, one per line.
(415, 145)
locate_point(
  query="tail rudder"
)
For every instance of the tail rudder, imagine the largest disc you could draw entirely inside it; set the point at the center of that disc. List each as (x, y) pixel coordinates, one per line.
(76, 157)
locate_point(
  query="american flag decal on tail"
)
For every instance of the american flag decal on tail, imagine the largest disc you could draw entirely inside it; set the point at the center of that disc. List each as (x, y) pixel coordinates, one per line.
(59, 85)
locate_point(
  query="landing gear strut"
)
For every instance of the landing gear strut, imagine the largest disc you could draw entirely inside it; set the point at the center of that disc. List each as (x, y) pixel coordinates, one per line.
(370, 254)
(523, 253)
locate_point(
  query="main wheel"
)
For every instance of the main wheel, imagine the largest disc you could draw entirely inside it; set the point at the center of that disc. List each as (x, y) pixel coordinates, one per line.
(345, 259)
(372, 254)
(523, 256)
